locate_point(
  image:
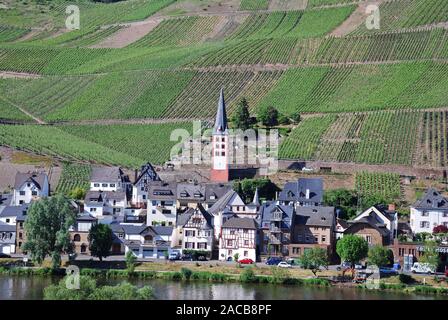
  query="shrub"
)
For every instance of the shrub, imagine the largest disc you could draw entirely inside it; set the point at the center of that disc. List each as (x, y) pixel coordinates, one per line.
(248, 275)
(147, 274)
(405, 278)
(317, 282)
(425, 289)
(217, 277)
(173, 276)
(186, 273)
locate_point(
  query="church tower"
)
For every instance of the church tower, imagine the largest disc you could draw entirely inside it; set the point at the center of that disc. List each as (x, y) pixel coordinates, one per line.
(220, 141)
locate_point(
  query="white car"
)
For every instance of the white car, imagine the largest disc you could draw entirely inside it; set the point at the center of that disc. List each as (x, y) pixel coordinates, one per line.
(284, 264)
(307, 169)
(419, 267)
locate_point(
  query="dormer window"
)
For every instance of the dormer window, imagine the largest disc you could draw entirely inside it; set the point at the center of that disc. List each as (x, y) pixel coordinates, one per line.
(184, 194)
(28, 184)
(197, 194)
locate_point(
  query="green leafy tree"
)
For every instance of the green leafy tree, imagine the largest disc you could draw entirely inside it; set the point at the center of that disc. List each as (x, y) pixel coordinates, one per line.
(88, 290)
(131, 261)
(430, 254)
(100, 240)
(352, 248)
(379, 256)
(343, 200)
(77, 193)
(241, 117)
(268, 116)
(47, 229)
(314, 259)
(246, 188)
(236, 256)
(296, 117)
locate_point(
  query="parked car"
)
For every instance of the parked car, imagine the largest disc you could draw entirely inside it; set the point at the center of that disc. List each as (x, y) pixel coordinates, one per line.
(344, 265)
(358, 266)
(174, 256)
(360, 277)
(307, 169)
(389, 271)
(291, 261)
(284, 264)
(246, 261)
(419, 267)
(273, 261)
(4, 255)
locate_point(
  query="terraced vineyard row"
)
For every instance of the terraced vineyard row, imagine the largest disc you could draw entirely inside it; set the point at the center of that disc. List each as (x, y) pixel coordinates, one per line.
(8, 34)
(360, 87)
(385, 185)
(433, 141)
(373, 138)
(254, 4)
(51, 141)
(399, 14)
(10, 112)
(179, 32)
(296, 24)
(74, 176)
(145, 142)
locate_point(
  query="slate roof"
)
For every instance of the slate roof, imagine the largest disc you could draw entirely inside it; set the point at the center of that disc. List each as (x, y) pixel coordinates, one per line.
(296, 191)
(240, 223)
(217, 190)
(315, 216)
(15, 211)
(106, 174)
(432, 200)
(86, 217)
(190, 191)
(221, 125)
(265, 213)
(163, 230)
(222, 204)
(162, 191)
(4, 227)
(37, 178)
(97, 197)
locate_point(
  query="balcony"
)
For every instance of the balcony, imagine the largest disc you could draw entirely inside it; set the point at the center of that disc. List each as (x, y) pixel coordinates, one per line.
(276, 216)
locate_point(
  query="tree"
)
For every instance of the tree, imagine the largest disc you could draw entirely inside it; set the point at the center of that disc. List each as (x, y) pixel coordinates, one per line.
(296, 117)
(379, 256)
(268, 116)
(236, 256)
(47, 229)
(313, 259)
(430, 254)
(440, 229)
(77, 193)
(352, 248)
(131, 261)
(344, 200)
(100, 240)
(241, 116)
(88, 290)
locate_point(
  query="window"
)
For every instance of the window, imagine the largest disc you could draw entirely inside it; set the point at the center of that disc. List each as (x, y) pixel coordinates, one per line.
(223, 153)
(232, 232)
(77, 238)
(245, 231)
(154, 203)
(22, 193)
(189, 233)
(112, 185)
(229, 243)
(445, 214)
(424, 224)
(144, 197)
(104, 185)
(189, 245)
(246, 253)
(246, 242)
(223, 139)
(121, 235)
(20, 235)
(369, 239)
(96, 185)
(316, 239)
(142, 188)
(21, 202)
(324, 238)
(153, 211)
(425, 213)
(7, 220)
(202, 245)
(28, 185)
(21, 224)
(92, 209)
(34, 193)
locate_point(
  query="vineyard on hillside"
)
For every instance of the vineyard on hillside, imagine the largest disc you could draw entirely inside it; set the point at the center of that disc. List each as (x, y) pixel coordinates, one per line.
(74, 176)
(383, 185)
(433, 141)
(373, 138)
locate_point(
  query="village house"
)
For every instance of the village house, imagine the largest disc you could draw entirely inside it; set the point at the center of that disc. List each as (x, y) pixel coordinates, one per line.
(428, 212)
(193, 231)
(29, 187)
(7, 238)
(382, 215)
(275, 225)
(107, 179)
(238, 237)
(189, 195)
(313, 227)
(144, 241)
(302, 193)
(9, 214)
(372, 231)
(162, 209)
(107, 206)
(141, 184)
(79, 233)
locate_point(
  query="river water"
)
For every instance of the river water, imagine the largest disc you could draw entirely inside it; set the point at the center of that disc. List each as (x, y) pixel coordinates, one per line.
(31, 288)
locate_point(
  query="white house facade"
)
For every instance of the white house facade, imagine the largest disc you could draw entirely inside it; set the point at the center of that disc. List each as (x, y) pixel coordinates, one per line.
(428, 212)
(239, 236)
(29, 187)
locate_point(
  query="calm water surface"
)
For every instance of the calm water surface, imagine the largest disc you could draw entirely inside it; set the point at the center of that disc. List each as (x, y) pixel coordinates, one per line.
(31, 288)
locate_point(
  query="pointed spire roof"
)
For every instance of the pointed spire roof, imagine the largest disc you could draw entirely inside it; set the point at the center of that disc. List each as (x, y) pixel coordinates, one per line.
(221, 116)
(256, 200)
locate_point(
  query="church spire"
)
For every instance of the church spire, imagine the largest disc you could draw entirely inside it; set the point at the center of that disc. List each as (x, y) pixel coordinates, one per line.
(256, 200)
(221, 116)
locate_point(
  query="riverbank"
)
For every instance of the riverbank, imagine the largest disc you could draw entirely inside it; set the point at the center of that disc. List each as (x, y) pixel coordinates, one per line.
(243, 275)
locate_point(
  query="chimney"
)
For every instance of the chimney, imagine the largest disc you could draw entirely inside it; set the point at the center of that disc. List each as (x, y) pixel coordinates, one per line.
(307, 194)
(391, 207)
